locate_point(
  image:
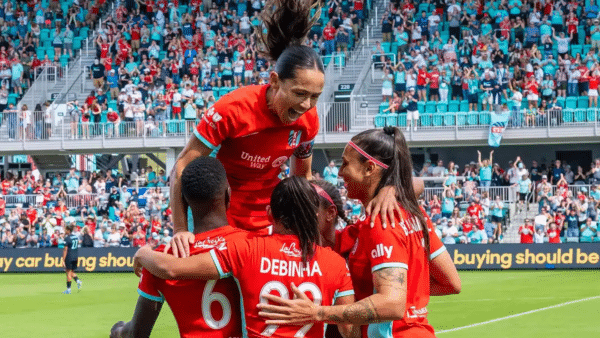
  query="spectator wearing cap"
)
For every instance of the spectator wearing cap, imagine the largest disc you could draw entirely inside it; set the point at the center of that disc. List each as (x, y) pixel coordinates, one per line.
(449, 232)
(412, 111)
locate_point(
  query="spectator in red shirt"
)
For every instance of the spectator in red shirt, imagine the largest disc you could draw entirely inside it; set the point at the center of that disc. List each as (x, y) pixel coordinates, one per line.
(139, 237)
(475, 209)
(593, 88)
(329, 37)
(2, 206)
(554, 233)
(433, 78)
(526, 231)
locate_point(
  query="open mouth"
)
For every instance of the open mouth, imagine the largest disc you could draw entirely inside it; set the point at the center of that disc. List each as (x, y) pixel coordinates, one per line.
(294, 114)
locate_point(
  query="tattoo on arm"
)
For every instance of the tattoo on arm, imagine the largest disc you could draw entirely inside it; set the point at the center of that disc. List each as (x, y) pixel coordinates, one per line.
(365, 310)
(393, 278)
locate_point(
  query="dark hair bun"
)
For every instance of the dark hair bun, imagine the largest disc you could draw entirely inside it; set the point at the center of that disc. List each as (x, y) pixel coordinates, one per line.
(389, 130)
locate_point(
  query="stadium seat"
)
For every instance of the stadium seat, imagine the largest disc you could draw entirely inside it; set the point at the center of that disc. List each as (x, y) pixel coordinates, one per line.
(461, 118)
(40, 53)
(571, 102)
(560, 101)
(567, 115)
(402, 120)
(576, 49)
(426, 120)
(473, 118)
(585, 239)
(449, 119)
(391, 120)
(64, 60)
(386, 46)
(12, 98)
(591, 114)
(572, 240)
(437, 119)
(484, 117)
(464, 105)
(379, 121)
(582, 102)
(580, 115)
(421, 107)
(383, 106)
(442, 107)
(586, 49)
(454, 105)
(430, 107)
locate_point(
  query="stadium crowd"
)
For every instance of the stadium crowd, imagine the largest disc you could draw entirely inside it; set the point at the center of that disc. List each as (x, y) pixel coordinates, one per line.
(114, 210)
(535, 57)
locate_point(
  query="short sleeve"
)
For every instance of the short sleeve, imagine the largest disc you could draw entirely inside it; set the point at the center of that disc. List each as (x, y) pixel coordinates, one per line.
(215, 126)
(345, 286)
(436, 247)
(387, 248)
(148, 287)
(345, 239)
(229, 259)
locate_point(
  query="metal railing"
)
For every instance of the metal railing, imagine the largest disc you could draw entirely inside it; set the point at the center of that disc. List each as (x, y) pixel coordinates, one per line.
(71, 200)
(19, 127)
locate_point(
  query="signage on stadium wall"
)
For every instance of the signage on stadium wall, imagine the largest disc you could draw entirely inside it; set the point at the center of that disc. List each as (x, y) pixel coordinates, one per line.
(50, 260)
(465, 257)
(525, 256)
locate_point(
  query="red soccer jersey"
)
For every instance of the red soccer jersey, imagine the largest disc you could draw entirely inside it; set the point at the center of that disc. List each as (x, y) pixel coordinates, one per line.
(402, 247)
(268, 265)
(527, 234)
(475, 211)
(2, 207)
(421, 77)
(467, 227)
(31, 215)
(434, 79)
(201, 308)
(593, 82)
(554, 236)
(252, 143)
(329, 33)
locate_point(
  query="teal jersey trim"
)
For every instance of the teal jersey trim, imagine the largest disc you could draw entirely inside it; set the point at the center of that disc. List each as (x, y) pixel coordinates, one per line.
(151, 297)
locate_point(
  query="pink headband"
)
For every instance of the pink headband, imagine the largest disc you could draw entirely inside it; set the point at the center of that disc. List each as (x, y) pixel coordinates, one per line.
(364, 153)
(325, 195)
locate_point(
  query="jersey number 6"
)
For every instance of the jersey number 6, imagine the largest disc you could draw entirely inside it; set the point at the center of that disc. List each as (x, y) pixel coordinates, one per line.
(208, 297)
(284, 293)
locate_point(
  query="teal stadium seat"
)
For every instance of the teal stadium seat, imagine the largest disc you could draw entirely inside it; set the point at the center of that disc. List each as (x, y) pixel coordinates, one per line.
(473, 118)
(582, 102)
(448, 119)
(430, 107)
(421, 107)
(461, 118)
(386, 46)
(484, 117)
(454, 105)
(379, 121)
(591, 114)
(426, 120)
(383, 106)
(567, 115)
(571, 102)
(560, 101)
(580, 115)
(437, 119)
(442, 107)
(391, 120)
(576, 48)
(464, 105)
(402, 120)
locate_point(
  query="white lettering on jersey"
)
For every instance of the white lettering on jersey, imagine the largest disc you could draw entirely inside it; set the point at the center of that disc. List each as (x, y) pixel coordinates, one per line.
(382, 250)
(291, 250)
(279, 161)
(256, 161)
(218, 243)
(411, 226)
(277, 267)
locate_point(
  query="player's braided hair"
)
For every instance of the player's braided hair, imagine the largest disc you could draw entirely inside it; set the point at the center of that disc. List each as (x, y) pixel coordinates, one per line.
(335, 195)
(203, 179)
(286, 23)
(388, 145)
(294, 204)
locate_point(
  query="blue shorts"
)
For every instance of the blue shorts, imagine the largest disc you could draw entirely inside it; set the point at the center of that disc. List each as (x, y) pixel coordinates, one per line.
(421, 87)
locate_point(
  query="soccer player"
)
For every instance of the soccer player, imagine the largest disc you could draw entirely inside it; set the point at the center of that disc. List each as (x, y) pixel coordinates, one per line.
(394, 271)
(70, 257)
(201, 308)
(270, 264)
(255, 129)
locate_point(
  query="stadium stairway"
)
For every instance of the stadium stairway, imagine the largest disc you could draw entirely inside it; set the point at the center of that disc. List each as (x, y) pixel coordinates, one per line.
(511, 234)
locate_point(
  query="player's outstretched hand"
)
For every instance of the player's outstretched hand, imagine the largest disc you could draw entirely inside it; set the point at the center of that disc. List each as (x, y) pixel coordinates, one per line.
(298, 311)
(115, 331)
(384, 204)
(181, 244)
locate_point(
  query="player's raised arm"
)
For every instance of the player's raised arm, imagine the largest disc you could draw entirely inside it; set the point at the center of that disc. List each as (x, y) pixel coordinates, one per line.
(182, 238)
(166, 266)
(140, 326)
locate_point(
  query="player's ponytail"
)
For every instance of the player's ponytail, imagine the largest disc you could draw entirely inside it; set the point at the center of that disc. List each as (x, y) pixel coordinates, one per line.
(389, 146)
(286, 24)
(294, 205)
(335, 196)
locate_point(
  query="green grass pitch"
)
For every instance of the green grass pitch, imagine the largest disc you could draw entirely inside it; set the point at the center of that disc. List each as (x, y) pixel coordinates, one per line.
(31, 305)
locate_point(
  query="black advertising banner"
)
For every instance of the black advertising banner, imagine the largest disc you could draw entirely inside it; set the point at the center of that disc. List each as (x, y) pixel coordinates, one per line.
(50, 260)
(465, 257)
(525, 256)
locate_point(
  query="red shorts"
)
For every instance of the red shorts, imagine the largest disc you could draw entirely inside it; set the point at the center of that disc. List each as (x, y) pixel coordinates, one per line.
(176, 110)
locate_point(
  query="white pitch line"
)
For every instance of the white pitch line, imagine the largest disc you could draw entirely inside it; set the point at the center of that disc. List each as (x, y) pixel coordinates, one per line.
(519, 314)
